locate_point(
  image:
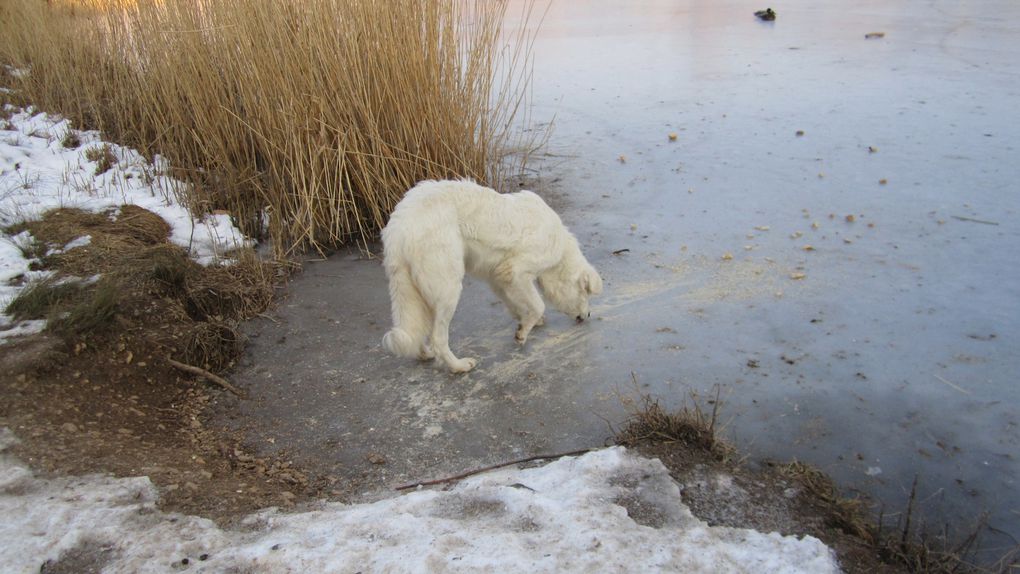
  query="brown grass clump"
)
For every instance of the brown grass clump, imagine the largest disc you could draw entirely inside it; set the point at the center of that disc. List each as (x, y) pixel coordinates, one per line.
(91, 314)
(847, 514)
(131, 277)
(37, 299)
(103, 157)
(114, 235)
(243, 289)
(212, 344)
(317, 115)
(690, 426)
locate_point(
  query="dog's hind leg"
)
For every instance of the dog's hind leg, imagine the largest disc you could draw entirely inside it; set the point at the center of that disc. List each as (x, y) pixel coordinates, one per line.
(440, 284)
(443, 313)
(412, 315)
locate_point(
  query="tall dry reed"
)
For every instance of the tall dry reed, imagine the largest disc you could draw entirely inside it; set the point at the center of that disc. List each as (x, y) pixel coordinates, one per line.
(318, 114)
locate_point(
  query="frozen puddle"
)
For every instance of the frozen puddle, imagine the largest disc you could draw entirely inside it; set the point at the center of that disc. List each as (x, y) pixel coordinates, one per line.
(605, 511)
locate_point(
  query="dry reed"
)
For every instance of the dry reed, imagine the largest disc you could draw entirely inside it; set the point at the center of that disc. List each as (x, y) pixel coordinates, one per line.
(309, 119)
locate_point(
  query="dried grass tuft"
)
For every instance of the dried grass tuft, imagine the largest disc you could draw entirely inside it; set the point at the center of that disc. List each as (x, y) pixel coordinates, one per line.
(213, 345)
(239, 291)
(92, 314)
(103, 157)
(690, 426)
(847, 514)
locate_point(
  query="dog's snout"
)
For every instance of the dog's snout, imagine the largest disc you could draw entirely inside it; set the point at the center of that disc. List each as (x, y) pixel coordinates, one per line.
(579, 319)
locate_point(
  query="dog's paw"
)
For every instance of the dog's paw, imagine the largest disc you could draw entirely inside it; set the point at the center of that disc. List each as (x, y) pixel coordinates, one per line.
(426, 354)
(520, 336)
(463, 365)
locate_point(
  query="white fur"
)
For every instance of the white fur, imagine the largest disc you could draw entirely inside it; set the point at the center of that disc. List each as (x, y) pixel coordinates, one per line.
(442, 229)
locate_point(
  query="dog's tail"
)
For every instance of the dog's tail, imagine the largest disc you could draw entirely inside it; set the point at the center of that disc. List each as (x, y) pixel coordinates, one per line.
(411, 316)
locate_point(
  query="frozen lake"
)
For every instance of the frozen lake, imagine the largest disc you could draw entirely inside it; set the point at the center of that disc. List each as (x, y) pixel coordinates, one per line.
(832, 239)
(896, 353)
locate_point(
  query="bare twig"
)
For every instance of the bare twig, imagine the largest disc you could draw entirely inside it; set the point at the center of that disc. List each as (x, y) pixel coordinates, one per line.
(910, 512)
(971, 219)
(957, 387)
(207, 375)
(493, 467)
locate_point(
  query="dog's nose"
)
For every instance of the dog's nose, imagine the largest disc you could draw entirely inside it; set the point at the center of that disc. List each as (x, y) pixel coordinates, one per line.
(580, 319)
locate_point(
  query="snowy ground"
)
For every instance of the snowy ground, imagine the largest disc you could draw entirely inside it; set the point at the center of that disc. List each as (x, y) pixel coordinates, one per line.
(606, 511)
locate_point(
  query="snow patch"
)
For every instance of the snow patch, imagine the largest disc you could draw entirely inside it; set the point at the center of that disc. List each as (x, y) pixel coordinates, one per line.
(581, 514)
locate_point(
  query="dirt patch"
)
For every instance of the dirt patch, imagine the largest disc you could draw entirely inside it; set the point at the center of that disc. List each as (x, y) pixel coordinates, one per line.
(98, 394)
(90, 414)
(85, 558)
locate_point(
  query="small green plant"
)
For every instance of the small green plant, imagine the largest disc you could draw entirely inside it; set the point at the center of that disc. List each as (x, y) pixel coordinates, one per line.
(31, 247)
(92, 314)
(39, 299)
(103, 157)
(70, 140)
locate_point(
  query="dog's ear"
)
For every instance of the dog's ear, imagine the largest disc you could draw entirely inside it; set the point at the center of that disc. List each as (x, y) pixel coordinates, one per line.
(591, 281)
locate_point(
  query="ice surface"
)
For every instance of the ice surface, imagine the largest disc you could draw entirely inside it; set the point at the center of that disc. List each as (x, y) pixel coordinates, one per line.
(896, 349)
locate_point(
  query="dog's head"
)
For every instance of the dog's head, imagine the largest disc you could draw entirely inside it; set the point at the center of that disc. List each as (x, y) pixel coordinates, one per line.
(569, 288)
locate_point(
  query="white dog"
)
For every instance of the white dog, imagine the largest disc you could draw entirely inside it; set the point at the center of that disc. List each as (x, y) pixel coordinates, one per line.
(442, 229)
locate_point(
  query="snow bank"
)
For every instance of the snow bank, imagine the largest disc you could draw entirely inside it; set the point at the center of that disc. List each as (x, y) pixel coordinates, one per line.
(38, 173)
(606, 511)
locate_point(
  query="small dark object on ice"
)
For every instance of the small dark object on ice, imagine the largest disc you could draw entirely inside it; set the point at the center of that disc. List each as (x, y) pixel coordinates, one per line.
(767, 14)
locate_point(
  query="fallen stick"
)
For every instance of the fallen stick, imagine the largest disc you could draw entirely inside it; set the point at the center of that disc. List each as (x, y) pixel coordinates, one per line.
(207, 375)
(493, 467)
(957, 387)
(962, 218)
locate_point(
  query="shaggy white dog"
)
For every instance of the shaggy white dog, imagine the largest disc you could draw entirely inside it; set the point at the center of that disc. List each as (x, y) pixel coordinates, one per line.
(442, 229)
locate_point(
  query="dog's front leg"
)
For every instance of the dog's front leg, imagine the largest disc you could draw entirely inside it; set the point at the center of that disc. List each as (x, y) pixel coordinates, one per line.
(518, 291)
(524, 292)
